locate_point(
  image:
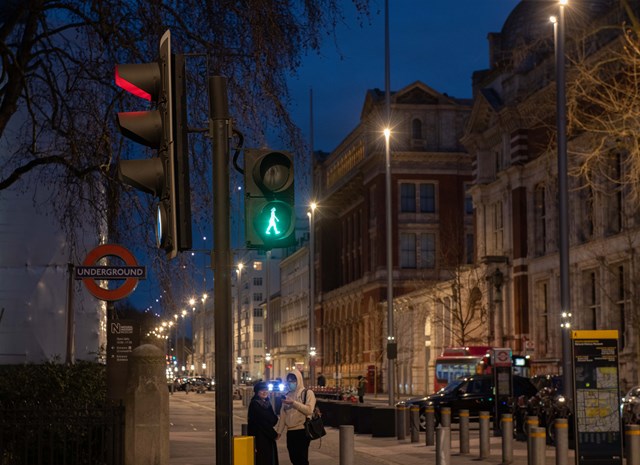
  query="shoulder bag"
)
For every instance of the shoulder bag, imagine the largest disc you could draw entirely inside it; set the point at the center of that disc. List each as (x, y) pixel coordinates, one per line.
(313, 426)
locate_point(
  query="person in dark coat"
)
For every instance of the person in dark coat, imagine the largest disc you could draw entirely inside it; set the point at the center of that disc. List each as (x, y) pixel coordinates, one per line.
(260, 422)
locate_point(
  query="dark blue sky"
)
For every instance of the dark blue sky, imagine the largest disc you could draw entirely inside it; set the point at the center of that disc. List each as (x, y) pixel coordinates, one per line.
(438, 42)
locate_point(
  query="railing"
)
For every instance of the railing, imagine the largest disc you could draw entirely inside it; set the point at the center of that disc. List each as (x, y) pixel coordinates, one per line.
(53, 436)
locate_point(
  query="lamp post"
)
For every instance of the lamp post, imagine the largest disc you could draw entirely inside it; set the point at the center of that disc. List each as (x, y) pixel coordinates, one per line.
(239, 316)
(204, 329)
(563, 201)
(312, 293)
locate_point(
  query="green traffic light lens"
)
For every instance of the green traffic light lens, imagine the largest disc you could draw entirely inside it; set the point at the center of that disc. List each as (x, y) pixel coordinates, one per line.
(273, 222)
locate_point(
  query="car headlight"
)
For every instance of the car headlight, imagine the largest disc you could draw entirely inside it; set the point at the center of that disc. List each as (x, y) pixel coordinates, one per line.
(281, 387)
(270, 386)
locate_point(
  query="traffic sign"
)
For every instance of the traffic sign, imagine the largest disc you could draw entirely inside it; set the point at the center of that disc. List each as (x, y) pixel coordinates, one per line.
(90, 271)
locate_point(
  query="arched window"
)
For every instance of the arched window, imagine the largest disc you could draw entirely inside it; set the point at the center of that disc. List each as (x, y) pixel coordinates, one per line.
(416, 129)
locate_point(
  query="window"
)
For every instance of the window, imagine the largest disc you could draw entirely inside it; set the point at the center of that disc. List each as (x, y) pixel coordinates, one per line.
(257, 343)
(427, 250)
(621, 304)
(497, 228)
(409, 202)
(590, 296)
(257, 312)
(407, 250)
(257, 296)
(427, 198)
(468, 200)
(257, 266)
(257, 281)
(257, 327)
(407, 197)
(257, 359)
(542, 303)
(469, 248)
(540, 221)
(416, 129)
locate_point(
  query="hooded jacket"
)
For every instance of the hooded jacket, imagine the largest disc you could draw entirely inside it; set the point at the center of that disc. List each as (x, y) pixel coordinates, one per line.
(292, 417)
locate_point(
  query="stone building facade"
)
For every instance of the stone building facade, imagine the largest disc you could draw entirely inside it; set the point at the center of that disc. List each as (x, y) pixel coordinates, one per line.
(432, 224)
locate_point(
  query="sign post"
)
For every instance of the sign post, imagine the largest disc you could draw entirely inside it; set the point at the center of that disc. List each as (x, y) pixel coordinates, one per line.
(597, 397)
(503, 383)
(122, 335)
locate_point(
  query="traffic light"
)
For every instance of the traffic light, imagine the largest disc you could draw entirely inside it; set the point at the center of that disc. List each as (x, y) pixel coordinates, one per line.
(165, 130)
(269, 199)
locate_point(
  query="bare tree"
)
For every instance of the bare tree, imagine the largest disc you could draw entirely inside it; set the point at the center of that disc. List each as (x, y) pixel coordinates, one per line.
(58, 100)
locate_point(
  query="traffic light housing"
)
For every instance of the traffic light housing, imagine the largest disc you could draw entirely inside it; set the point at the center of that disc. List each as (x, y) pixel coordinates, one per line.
(270, 219)
(163, 129)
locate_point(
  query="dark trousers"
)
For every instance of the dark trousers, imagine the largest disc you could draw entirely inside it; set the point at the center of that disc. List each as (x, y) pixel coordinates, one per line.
(298, 447)
(361, 399)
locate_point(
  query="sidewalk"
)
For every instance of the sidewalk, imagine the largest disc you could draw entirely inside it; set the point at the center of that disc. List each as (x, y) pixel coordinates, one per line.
(192, 442)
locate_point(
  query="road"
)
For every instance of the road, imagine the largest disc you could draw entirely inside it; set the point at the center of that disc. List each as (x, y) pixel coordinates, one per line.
(192, 441)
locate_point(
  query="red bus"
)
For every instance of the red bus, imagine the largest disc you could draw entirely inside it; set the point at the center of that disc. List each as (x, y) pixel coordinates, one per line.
(457, 362)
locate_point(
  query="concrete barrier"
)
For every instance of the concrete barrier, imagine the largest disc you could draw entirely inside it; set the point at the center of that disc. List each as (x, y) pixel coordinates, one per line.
(383, 422)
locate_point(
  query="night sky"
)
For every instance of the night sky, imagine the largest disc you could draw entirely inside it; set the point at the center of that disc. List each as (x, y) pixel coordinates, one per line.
(438, 42)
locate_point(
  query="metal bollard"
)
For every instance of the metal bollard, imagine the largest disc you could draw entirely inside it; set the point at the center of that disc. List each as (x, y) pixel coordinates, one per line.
(562, 441)
(346, 445)
(537, 440)
(485, 445)
(464, 432)
(532, 421)
(415, 423)
(430, 425)
(401, 412)
(445, 419)
(506, 423)
(632, 444)
(244, 429)
(443, 445)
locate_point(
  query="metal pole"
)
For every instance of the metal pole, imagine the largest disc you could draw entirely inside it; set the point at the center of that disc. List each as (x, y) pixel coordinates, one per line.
(391, 340)
(312, 291)
(563, 201)
(464, 431)
(632, 441)
(562, 441)
(346, 445)
(429, 426)
(239, 335)
(507, 438)
(401, 411)
(71, 345)
(443, 445)
(537, 437)
(221, 263)
(485, 445)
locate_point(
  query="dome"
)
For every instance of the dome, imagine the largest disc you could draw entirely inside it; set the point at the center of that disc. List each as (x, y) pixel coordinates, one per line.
(529, 20)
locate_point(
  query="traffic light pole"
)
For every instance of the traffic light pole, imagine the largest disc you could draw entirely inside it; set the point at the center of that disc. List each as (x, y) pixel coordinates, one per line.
(221, 263)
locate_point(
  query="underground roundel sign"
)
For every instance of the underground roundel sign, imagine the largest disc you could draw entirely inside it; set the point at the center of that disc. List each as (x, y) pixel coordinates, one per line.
(129, 274)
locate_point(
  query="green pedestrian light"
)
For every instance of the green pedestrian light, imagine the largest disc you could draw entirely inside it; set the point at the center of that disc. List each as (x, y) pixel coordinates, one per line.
(269, 201)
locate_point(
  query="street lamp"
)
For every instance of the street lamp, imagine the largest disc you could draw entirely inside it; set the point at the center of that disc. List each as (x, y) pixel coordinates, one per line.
(563, 201)
(312, 291)
(239, 319)
(391, 340)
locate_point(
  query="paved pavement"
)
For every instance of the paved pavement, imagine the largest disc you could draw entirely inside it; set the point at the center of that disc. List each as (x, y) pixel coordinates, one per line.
(192, 438)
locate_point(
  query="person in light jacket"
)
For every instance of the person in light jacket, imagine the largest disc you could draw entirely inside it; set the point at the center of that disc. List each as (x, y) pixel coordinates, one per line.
(296, 407)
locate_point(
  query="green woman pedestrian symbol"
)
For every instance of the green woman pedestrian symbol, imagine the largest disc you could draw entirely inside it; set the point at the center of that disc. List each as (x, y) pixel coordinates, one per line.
(272, 222)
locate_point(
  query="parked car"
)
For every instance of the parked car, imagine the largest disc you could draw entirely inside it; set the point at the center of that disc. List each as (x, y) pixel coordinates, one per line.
(474, 393)
(630, 407)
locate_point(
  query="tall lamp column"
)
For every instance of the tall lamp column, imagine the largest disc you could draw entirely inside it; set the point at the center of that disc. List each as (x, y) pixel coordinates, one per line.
(312, 294)
(563, 201)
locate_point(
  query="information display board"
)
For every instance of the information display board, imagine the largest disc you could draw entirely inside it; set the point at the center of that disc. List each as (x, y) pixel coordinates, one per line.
(597, 397)
(122, 337)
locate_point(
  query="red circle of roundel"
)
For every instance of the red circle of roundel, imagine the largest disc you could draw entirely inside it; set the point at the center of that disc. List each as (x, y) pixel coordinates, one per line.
(110, 250)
